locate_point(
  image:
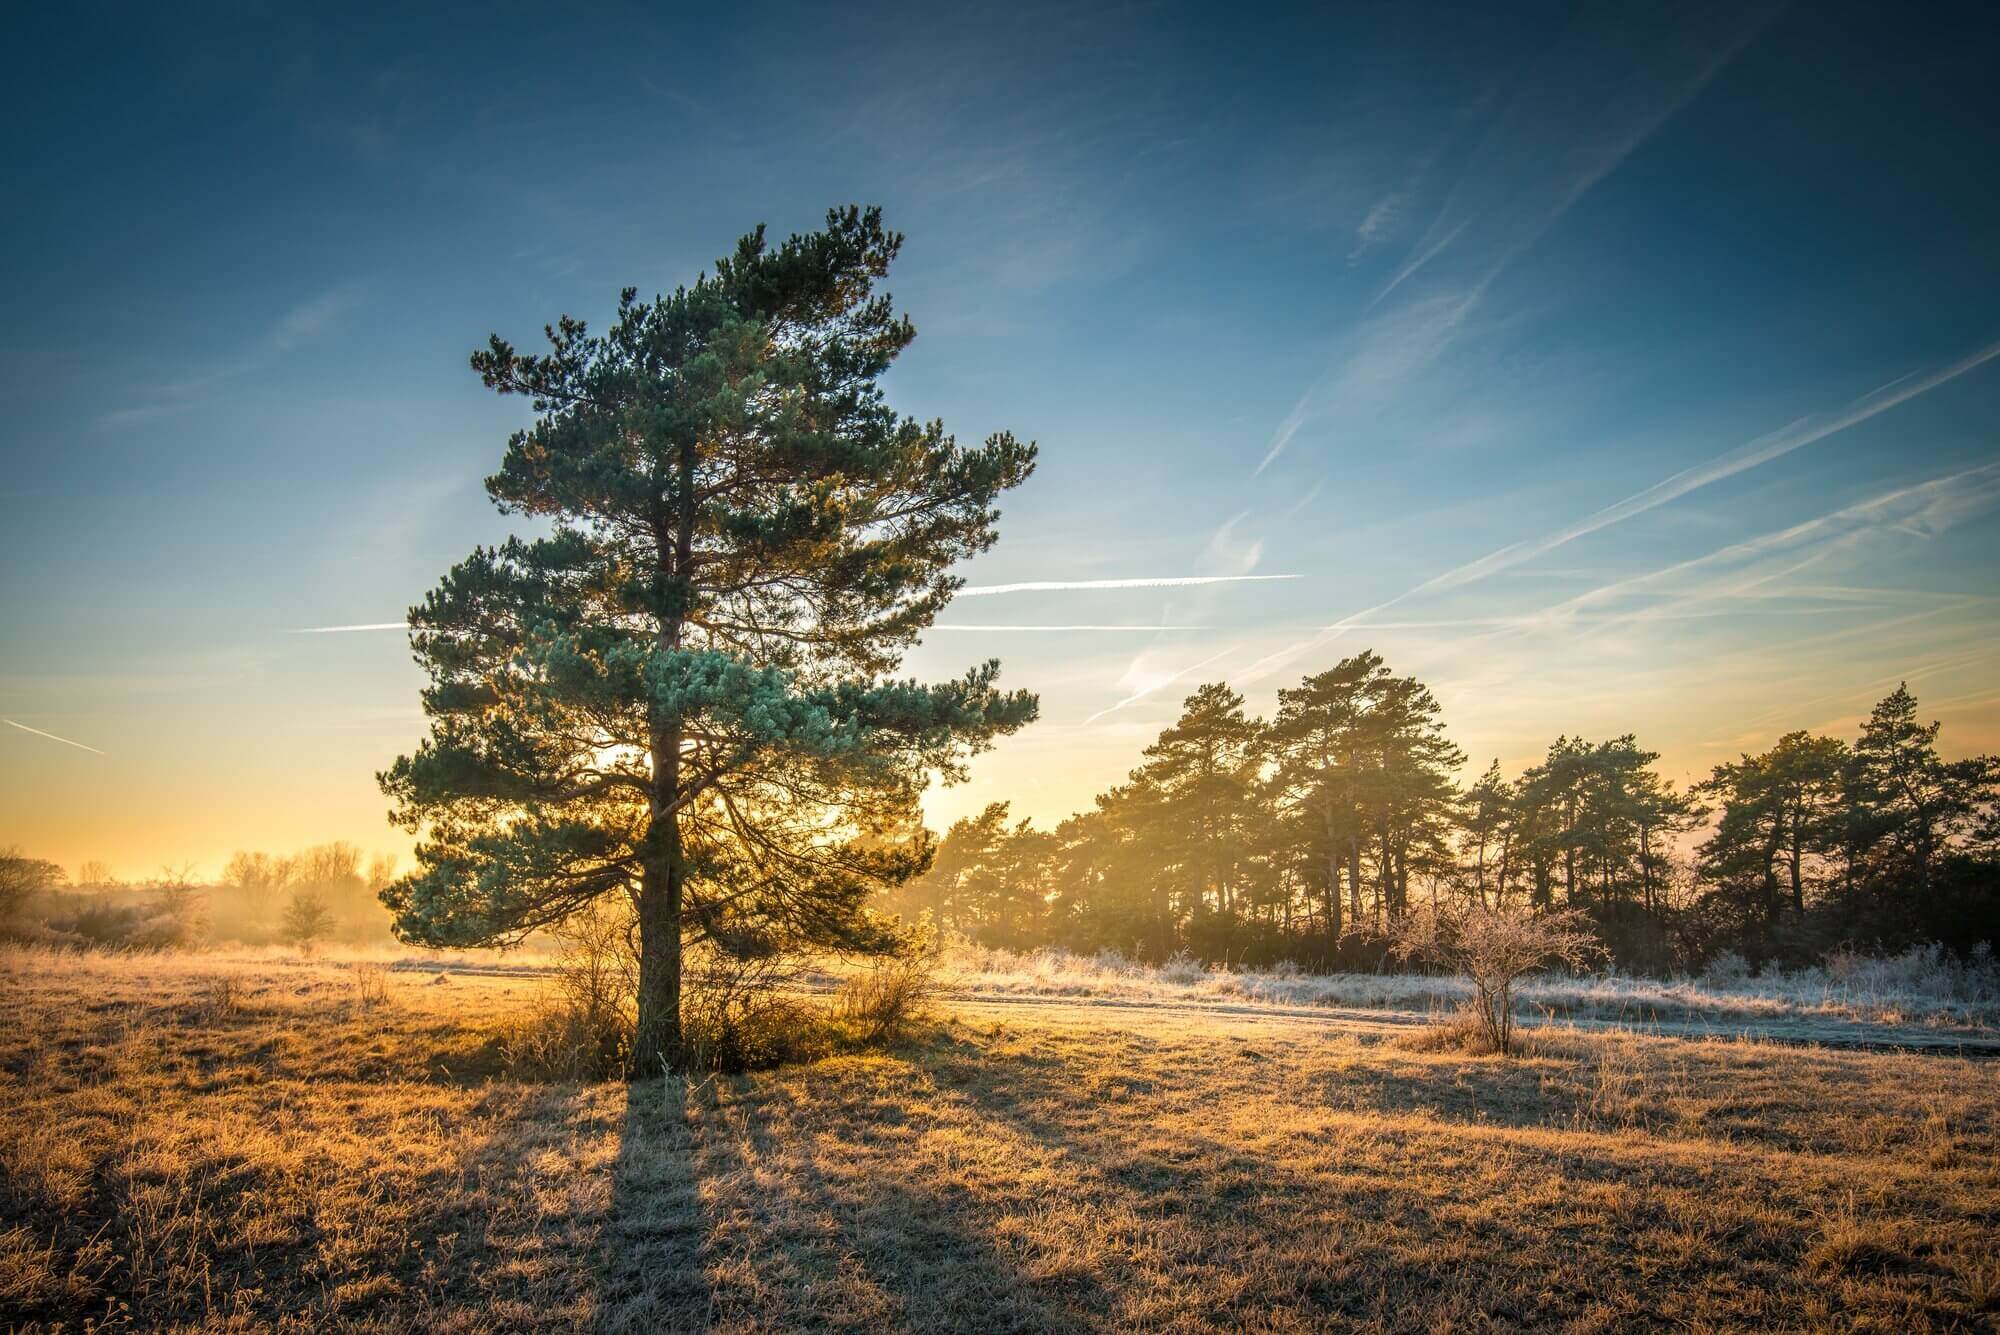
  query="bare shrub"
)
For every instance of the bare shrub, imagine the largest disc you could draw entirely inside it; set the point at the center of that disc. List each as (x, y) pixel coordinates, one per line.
(179, 919)
(892, 998)
(371, 986)
(1492, 948)
(557, 1042)
(21, 879)
(761, 1031)
(220, 998)
(1925, 971)
(736, 1016)
(583, 1030)
(1726, 969)
(597, 966)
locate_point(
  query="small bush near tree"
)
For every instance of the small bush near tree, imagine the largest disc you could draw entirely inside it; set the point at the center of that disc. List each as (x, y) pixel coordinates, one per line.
(738, 1013)
(894, 997)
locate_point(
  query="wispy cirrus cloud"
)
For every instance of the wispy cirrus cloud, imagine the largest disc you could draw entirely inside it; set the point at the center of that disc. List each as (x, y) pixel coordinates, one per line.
(1980, 652)
(945, 625)
(360, 625)
(942, 625)
(298, 326)
(1598, 93)
(1227, 548)
(1796, 435)
(1760, 564)
(1147, 682)
(1762, 450)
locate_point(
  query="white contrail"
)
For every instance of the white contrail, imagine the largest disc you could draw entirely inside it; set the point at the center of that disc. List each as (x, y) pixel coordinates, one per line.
(1978, 654)
(967, 626)
(976, 591)
(340, 630)
(1272, 661)
(1938, 504)
(51, 736)
(1148, 582)
(1288, 428)
(1139, 695)
(1762, 450)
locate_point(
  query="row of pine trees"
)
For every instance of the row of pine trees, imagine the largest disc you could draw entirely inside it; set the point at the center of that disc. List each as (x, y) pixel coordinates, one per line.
(1303, 836)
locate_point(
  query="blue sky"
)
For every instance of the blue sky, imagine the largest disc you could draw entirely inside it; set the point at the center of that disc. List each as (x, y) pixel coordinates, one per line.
(1614, 368)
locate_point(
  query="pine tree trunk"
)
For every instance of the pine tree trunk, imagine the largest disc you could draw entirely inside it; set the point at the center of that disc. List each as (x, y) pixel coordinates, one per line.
(1332, 883)
(1385, 872)
(1798, 871)
(1333, 905)
(656, 1044)
(1354, 878)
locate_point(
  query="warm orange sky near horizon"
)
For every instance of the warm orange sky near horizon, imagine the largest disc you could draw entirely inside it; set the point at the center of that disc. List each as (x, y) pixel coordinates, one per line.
(149, 804)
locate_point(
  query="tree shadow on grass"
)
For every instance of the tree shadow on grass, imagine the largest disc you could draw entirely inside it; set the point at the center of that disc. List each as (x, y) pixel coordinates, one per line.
(1228, 1236)
(789, 1201)
(651, 1273)
(983, 1184)
(1422, 1209)
(963, 1188)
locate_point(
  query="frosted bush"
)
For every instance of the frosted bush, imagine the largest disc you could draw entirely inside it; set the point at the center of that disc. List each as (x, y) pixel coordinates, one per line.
(1726, 969)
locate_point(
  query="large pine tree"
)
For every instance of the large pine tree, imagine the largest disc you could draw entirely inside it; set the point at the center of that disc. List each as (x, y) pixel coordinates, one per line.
(679, 692)
(1204, 769)
(1914, 804)
(1317, 737)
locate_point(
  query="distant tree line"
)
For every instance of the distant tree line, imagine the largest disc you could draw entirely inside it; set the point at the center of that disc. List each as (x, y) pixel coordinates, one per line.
(326, 893)
(1306, 835)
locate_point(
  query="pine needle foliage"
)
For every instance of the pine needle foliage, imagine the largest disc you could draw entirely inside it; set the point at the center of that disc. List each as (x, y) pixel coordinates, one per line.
(682, 691)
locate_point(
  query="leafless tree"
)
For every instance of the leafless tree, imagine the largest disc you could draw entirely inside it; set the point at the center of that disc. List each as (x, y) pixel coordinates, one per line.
(1493, 948)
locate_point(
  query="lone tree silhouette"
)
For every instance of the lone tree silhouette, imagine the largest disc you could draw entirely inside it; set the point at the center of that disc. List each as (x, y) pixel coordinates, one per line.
(680, 693)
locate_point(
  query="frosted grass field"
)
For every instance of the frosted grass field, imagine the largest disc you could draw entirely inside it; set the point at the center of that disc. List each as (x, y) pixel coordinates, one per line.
(1921, 986)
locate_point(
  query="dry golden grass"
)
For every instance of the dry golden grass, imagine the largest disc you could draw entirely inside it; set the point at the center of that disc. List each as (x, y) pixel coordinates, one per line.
(192, 1144)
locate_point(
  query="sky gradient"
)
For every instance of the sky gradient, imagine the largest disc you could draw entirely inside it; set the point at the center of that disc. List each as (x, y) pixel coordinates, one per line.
(1611, 368)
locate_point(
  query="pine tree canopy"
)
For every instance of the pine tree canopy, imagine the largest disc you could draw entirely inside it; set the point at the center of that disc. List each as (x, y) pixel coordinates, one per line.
(683, 688)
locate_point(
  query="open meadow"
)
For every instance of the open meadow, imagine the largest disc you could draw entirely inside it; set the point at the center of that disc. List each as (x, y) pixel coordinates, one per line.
(187, 1142)
(1389, 721)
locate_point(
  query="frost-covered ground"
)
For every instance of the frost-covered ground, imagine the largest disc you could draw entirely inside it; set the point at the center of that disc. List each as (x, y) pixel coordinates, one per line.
(1919, 987)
